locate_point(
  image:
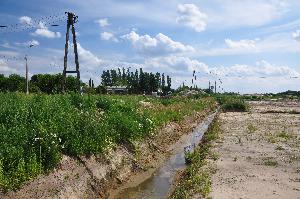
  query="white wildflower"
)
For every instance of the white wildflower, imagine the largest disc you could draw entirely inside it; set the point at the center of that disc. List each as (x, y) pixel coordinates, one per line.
(37, 138)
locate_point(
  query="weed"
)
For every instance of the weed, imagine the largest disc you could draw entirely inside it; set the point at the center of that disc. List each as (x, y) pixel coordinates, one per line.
(77, 176)
(66, 177)
(251, 128)
(197, 176)
(234, 104)
(279, 148)
(270, 162)
(272, 139)
(215, 156)
(239, 139)
(285, 135)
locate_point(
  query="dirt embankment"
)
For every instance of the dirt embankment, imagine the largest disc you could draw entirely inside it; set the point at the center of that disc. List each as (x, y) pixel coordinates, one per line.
(259, 152)
(96, 177)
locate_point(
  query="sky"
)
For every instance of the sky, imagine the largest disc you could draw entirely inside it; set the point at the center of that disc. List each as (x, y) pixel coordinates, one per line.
(246, 46)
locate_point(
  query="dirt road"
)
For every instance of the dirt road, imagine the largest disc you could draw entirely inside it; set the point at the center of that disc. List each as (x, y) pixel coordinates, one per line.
(259, 153)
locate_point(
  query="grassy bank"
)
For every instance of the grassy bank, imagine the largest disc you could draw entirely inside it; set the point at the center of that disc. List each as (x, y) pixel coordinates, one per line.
(196, 179)
(36, 130)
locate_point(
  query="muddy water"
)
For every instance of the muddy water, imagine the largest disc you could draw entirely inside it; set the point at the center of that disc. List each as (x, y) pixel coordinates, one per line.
(159, 184)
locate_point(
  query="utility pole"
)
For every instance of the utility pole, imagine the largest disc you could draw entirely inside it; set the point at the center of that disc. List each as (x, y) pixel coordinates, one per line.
(72, 19)
(27, 88)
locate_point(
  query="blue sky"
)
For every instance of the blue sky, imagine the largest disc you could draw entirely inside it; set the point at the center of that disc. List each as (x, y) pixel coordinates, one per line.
(248, 45)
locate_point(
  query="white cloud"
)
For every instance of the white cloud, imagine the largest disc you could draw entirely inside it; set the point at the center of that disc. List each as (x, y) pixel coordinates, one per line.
(276, 43)
(296, 35)
(244, 43)
(260, 69)
(25, 20)
(29, 43)
(34, 42)
(108, 36)
(284, 27)
(43, 31)
(9, 53)
(248, 12)
(8, 46)
(184, 64)
(5, 69)
(156, 46)
(191, 16)
(103, 22)
(87, 58)
(259, 77)
(174, 63)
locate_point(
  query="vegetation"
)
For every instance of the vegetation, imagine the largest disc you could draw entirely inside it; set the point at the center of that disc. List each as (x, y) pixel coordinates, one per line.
(292, 95)
(137, 82)
(232, 103)
(270, 162)
(36, 130)
(196, 179)
(45, 83)
(251, 128)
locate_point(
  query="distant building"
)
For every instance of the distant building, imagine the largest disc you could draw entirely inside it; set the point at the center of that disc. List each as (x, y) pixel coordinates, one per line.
(117, 89)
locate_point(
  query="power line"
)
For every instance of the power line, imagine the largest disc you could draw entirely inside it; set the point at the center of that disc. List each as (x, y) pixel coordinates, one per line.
(10, 58)
(33, 23)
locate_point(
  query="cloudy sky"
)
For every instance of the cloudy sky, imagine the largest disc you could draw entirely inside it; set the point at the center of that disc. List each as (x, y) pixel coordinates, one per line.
(246, 46)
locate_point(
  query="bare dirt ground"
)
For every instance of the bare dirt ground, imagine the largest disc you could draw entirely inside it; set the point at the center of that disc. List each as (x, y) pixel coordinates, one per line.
(259, 152)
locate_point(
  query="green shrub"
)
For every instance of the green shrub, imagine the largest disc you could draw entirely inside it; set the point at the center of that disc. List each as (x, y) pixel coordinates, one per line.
(235, 104)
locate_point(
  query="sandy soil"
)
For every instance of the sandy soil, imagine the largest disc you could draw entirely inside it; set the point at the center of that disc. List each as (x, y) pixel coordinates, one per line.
(259, 153)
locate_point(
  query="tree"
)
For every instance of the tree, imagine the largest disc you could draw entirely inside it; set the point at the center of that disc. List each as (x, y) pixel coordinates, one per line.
(15, 83)
(157, 81)
(163, 81)
(169, 82)
(137, 82)
(142, 81)
(124, 77)
(106, 79)
(90, 82)
(3, 80)
(114, 77)
(51, 84)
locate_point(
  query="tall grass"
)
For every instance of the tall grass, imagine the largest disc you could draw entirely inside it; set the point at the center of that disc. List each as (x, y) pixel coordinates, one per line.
(232, 103)
(36, 130)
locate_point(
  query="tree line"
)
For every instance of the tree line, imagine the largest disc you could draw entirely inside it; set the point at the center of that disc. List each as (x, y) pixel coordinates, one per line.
(137, 82)
(45, 83)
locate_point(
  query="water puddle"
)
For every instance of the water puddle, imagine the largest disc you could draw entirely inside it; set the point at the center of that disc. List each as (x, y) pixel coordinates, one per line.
(159, 184)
